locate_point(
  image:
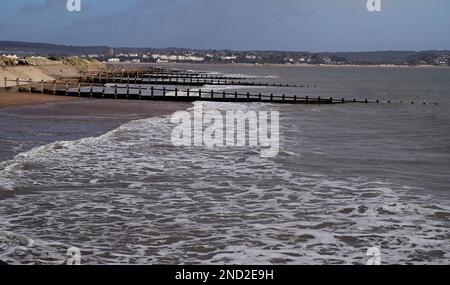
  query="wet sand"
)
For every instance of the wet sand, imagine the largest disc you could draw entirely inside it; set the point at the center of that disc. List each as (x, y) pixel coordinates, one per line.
(28, 121)
(12, 99)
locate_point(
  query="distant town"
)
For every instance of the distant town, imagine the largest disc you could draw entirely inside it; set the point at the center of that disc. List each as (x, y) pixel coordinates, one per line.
(16, 52)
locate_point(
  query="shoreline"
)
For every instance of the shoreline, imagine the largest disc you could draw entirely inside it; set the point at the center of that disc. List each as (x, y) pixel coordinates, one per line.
(17, 99)
(69, 120)
(174, 64)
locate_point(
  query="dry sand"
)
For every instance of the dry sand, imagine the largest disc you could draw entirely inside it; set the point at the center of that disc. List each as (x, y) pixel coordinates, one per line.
(24, 73)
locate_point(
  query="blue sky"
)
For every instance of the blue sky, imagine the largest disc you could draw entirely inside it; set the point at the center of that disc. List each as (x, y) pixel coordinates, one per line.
(300, 25)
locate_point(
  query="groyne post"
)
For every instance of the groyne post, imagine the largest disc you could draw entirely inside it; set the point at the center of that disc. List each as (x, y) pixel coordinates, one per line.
(29, 85)
(17, 84)
(6, 82)
(54, 87)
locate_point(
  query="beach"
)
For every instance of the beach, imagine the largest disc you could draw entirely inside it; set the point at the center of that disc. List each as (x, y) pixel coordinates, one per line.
(14, 99)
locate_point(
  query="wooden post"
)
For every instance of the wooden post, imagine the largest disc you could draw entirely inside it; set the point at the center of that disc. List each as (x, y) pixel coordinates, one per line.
(318, 100)
(103, 91)
(187, 92)
(343, 100)
(54, 87)
(140, 91)
(92, 90)
(271, 97)
(152, 92)
(79, 89)
(17, 84)
(307, 99)
(295, 99)
(67, 88)
(29, 83)
(200, 93)
(248, 95)
(6, 82)
(283, 97)
(223, 94)
(212, 94)
(115, 91)
(259, 96)
(128, 91)
(235, 95)
(331, 100)
(176, 92)
(164, 91)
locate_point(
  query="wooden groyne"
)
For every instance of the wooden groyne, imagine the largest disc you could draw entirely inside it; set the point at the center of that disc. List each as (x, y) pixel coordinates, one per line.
(157, 92)
(188, 81)
(150, 92)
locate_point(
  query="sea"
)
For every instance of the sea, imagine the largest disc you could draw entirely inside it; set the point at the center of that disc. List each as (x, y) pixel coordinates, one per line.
(348, 178)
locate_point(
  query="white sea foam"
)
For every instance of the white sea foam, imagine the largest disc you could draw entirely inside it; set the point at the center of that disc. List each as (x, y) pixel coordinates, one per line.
(129, 196)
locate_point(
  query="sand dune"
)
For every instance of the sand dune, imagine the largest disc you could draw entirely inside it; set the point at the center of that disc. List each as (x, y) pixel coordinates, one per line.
(47, 70)
(23, 73)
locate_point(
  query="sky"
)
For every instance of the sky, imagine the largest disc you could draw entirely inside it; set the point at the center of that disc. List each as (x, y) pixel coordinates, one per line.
(294, 25)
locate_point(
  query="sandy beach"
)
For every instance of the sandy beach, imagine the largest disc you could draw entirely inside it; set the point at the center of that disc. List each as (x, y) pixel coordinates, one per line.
(14, 99)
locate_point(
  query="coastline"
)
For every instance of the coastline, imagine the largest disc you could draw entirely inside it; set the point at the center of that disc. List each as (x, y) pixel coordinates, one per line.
(67, 119)
(177, 64)
(16, 99)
